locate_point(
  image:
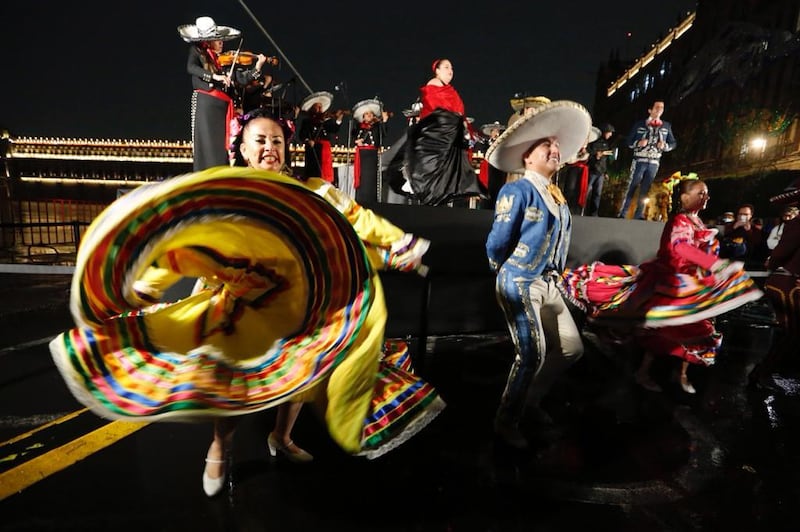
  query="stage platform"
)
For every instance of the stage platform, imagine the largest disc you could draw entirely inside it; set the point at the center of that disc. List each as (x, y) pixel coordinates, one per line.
(458, 295)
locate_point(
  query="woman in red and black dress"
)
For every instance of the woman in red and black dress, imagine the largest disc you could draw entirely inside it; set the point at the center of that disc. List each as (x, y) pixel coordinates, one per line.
(439, 170)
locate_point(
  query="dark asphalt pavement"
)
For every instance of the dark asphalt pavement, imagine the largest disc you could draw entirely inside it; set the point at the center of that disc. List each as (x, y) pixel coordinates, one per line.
(617, 458)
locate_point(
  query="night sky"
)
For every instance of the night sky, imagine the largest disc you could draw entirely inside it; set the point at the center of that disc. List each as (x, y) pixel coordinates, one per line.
(117, 69)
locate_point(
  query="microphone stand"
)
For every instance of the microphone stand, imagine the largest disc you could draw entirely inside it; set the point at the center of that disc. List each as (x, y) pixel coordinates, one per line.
(342, 87)
(379, 147)
(278, 108)
(349, 161)
(267, 35)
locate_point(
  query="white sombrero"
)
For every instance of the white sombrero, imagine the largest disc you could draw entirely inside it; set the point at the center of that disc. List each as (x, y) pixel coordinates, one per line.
(568, 121)
(325, 98)
(205, 29)
(367, 105)
(594, 134)
(486, 129)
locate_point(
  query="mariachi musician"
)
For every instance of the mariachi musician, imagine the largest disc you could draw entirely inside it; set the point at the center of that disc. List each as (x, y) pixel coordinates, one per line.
(316, 127)
(252, 89)
(369, 132)
(574, 175)
(490, 178)
(601, 151)
(370, 123)
(212, 105)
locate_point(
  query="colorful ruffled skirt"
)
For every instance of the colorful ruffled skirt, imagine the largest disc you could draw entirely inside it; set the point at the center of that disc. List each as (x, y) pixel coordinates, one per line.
(667, 312)
(290, 309)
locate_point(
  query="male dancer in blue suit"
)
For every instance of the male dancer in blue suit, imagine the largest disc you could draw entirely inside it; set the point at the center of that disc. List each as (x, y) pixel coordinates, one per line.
(527, 248)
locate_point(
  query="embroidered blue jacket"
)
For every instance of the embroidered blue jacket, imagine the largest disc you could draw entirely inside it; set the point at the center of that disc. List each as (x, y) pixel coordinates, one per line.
(531, 232)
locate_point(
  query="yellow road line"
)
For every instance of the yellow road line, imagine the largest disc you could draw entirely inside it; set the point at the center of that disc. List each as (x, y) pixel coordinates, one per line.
(46, 425)
(25, 475)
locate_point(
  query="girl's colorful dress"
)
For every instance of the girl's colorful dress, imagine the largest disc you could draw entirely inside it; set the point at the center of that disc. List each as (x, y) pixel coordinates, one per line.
(668, 301)
(288, 307)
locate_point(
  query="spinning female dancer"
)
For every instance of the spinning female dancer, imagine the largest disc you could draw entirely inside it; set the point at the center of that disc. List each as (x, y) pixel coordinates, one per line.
(290, 307)
(670, 300)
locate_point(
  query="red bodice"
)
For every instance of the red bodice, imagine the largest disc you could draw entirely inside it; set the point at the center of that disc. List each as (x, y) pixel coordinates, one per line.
(445, 97)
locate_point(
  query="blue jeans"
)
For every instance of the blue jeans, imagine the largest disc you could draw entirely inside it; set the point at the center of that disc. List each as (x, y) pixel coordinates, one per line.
(643, 171)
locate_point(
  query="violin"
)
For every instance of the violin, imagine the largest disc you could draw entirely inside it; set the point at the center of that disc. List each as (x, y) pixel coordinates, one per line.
(334, 114)
(242, 58)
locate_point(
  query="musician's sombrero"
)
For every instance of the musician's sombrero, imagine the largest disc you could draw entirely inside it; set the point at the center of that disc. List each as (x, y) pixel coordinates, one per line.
(486, 129)
(535, 101)
(789, 196)
(528, 102)
(205, 29)
(323, 97)
(566, 120)
(518, 103)
(594, 134)
(367, 105)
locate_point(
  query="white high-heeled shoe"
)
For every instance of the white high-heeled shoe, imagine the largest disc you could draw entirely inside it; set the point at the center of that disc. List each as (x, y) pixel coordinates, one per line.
(686, 386)
(292, 452)
(212, 486)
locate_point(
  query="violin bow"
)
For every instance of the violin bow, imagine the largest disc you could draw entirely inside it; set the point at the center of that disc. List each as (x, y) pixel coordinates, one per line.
(235, 58)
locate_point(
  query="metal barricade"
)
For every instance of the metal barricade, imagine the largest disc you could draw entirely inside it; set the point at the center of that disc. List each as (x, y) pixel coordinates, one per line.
(48, 230)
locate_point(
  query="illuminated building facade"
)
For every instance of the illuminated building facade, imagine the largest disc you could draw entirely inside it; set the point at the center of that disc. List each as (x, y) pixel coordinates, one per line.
(729, 75)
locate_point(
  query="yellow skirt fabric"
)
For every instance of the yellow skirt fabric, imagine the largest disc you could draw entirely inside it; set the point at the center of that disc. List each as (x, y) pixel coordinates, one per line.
(290, 308)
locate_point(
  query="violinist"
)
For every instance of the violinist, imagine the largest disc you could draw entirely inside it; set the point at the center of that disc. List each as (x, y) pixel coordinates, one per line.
(212, 106)
(368, 132)
(317, 129)
(370, 123)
